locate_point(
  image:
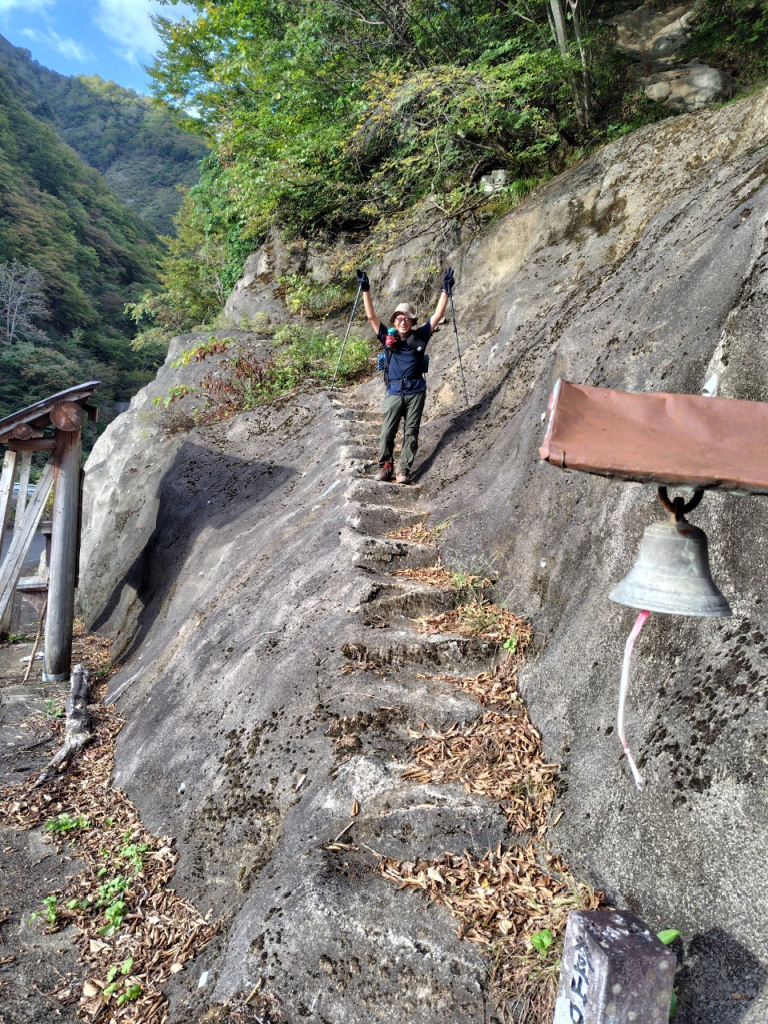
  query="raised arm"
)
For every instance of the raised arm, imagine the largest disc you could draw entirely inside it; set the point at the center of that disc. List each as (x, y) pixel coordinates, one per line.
(365, 288)
(442, 302)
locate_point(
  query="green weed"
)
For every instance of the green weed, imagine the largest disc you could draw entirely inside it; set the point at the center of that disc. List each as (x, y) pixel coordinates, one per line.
(50, 903)
(111, 898)
(53, 709)
(64, 823)
(668, 936)
(117, 978)
(510, 644)
(17, 638)
(542, 940)
(132, 852)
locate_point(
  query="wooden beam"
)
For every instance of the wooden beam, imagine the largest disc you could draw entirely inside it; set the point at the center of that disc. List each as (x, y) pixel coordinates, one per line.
(6, 488)
(94, 412)
(39, 413)
(35, 444)
(63, 567)
(21, 504)
(23, 432)
(67, 416)
(21, 500)
(10, 570)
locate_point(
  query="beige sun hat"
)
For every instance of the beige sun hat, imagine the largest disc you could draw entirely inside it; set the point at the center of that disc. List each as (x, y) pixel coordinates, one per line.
(407, 308)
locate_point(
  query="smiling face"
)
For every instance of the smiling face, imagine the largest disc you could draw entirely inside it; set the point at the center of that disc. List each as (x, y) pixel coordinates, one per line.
(403, 324)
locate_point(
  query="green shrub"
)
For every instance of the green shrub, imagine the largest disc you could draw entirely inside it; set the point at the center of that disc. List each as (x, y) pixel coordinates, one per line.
(242, 381)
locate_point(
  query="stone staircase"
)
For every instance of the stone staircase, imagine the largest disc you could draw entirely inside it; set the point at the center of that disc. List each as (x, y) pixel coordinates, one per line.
(415, 669)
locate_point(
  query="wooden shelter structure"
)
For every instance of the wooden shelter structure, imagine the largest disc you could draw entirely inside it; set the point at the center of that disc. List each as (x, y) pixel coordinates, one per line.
(22, 434)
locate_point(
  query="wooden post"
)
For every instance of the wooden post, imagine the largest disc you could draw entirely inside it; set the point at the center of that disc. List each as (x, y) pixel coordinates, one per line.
(10, 569)
(63, 568)
(21, 501)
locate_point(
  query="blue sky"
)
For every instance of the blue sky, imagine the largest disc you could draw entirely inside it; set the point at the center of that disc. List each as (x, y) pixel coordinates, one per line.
(110, 38)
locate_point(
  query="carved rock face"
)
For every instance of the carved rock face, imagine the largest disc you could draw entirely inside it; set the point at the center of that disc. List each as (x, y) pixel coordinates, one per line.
(226, 558)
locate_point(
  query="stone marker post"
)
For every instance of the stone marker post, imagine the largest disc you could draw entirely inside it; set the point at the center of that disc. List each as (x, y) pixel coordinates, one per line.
(615, 971)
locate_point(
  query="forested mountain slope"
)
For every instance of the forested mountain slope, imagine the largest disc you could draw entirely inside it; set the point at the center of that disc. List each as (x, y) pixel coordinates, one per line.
(141, 151)
(89, 253)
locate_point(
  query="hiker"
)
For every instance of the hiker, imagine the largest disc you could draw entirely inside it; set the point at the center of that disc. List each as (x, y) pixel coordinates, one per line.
(406, 388)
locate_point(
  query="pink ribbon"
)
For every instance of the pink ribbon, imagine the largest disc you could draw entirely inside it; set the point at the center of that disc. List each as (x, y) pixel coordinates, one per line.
(640, 621)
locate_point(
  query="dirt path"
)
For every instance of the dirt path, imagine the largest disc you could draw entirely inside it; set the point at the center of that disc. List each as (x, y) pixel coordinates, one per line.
(38, 971)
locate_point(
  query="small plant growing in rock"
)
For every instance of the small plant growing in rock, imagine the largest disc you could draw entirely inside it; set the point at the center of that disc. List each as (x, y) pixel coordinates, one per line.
(132, 852)
(668, 936)
(117, 979)
(65, 822)
(510, 644)
(50, 912)
(542, 940)
(111, 898)
(53, 709)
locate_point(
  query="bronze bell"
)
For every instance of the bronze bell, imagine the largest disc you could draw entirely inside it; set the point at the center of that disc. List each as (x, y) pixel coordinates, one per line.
(671, 573)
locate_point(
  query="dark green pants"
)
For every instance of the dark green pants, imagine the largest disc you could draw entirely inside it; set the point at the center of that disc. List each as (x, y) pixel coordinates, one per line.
(397, 407)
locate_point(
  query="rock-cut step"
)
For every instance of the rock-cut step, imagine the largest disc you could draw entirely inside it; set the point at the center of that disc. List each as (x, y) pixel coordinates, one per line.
(407, 599)
(361, 415)
(379, 520)
(383, 554)
(461, 654)
(376, 492)
(357, 434)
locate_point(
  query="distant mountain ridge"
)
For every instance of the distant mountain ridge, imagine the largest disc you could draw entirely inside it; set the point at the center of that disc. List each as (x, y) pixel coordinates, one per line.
(134, 142)
(90, 254)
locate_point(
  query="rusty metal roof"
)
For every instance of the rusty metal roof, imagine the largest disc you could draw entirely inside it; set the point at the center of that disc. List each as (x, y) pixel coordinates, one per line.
(38, 415)
(664, 439)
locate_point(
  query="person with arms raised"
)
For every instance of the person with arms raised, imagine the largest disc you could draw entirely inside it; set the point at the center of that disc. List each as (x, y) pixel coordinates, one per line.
(404, 345)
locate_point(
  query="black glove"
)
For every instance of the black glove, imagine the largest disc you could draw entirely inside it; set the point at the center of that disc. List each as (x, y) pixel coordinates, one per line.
(362, 280)
(448, 280)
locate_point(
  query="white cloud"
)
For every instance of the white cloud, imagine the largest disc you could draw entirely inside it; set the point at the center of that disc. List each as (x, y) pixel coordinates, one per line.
(67, 47)
(127, 22)
(28, 6)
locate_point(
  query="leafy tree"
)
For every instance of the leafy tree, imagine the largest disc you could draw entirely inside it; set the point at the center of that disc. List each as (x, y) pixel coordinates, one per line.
(317, 109)
(21, 301)
(192, 279)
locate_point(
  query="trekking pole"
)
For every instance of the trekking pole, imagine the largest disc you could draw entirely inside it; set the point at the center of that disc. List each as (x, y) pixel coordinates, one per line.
(458, 349)
(349, 328)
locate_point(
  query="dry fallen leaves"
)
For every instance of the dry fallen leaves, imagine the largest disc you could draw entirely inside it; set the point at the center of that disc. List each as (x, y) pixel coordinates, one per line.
(506, 897)
(159, 930)
(479, 618)
(440, 577)
(500, 901)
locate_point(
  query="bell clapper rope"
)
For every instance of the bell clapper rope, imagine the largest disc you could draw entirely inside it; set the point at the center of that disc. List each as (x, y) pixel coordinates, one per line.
(640, 621)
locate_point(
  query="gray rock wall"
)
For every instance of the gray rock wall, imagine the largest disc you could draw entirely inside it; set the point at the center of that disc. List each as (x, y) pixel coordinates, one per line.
(656, 295)
(255, 558)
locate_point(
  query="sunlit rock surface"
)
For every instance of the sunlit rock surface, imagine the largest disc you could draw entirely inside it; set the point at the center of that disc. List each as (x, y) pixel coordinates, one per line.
(249, 564)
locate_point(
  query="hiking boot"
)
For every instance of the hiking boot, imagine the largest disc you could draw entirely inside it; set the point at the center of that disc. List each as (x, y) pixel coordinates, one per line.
(385, 473)
(403, 477)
